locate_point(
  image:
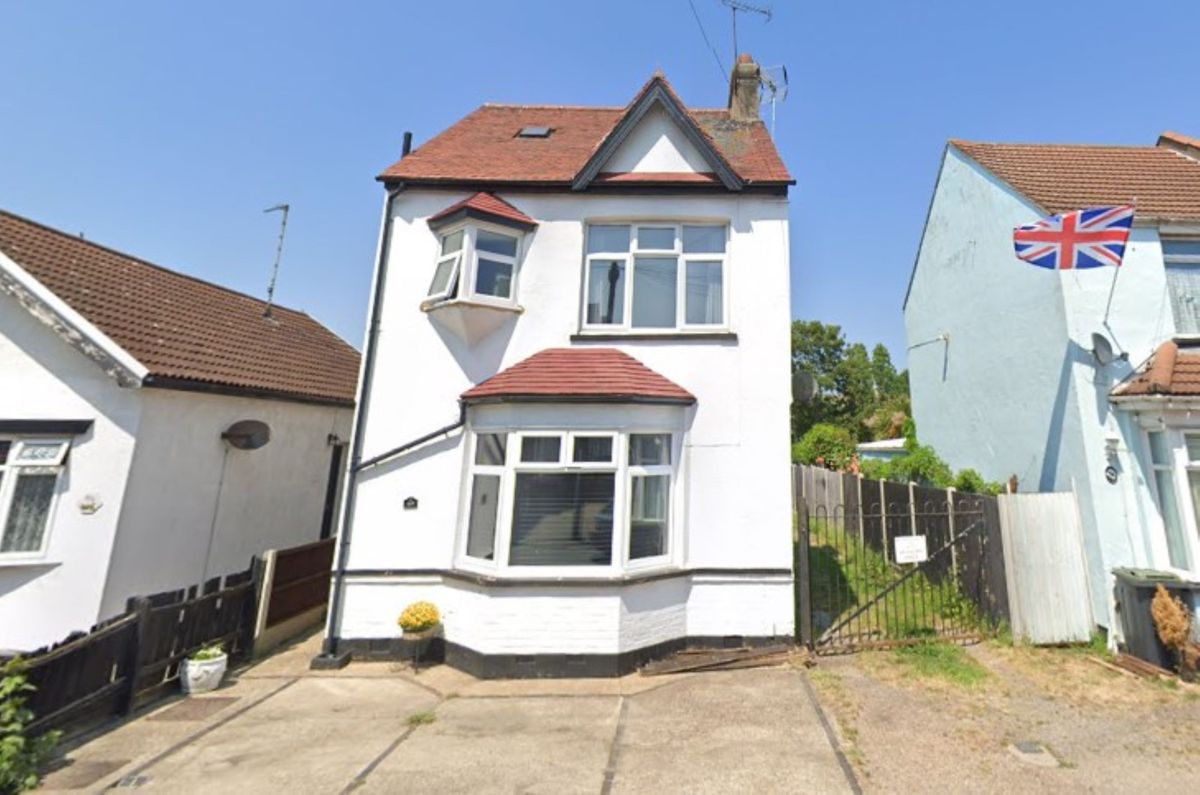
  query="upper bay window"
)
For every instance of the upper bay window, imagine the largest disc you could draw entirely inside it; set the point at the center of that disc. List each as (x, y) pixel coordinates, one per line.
(476, 263)
(569, 499)
(1181, 259)
(655, 277)
(29, 472)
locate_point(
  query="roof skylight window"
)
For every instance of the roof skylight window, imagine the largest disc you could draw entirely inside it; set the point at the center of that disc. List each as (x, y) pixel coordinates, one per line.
(534, 132)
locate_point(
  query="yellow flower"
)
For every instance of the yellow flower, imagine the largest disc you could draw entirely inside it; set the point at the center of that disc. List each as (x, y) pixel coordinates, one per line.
(419, 616)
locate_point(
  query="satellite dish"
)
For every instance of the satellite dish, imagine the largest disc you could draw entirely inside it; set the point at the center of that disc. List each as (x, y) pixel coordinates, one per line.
(1102, 350)
(247, 434)
(804, 387)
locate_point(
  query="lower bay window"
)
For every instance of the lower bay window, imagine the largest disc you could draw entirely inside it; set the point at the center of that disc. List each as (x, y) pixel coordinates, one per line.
(573, 499)
(29, 472)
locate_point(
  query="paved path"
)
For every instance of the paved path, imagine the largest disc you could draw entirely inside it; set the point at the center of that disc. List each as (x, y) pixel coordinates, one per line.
(376, 727)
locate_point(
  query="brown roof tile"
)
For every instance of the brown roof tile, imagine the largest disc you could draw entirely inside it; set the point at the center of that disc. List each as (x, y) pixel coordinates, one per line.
(184, 328)
(602, 374)
(1173, 370)
(487, 204)
(484, 146)
(1064, 177)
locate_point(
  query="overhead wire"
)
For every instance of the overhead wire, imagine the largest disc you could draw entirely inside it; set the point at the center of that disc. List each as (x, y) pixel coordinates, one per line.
(704, 34)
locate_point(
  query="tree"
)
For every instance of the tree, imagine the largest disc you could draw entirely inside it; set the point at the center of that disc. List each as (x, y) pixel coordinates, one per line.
(826, 444)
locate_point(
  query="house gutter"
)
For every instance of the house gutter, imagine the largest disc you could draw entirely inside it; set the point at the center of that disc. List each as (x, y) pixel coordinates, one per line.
(329, 656)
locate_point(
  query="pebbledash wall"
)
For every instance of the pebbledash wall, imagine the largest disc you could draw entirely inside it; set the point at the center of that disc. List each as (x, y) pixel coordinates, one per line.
(1014, 389)
(152, 462)
(731, 574)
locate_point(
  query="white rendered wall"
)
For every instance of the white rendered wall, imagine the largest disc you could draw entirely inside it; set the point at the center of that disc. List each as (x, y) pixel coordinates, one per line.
(45, 378)
(1015, 390)
(738, 502)
(656, 145)
(268, 498)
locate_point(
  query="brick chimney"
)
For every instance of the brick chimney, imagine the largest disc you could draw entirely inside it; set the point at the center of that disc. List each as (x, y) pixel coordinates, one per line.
(744, 90)
(1183, 144)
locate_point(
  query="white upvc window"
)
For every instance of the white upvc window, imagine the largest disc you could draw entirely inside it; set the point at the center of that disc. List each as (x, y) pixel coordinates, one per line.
(478, 262)
(655, 276)
(29, 473)
(1181, 260)
(562, 503)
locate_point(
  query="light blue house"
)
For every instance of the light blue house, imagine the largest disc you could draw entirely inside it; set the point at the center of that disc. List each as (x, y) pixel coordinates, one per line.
(1017, 370)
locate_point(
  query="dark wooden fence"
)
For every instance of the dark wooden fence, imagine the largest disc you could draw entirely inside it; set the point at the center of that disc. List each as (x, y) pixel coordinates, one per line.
(299, 581)
(135, 658)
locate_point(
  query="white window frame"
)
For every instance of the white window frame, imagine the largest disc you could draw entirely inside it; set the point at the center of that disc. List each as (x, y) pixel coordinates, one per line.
(649, 470)
(1192, 262)
(467, 266)
(9, 474)
(620, 562)
(629, 258)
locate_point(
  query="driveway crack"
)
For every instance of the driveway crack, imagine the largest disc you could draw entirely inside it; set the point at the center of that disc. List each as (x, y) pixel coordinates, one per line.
(614, 748)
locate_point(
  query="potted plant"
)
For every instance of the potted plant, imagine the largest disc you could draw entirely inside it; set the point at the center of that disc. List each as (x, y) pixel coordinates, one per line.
(420, 623)
(203, 671)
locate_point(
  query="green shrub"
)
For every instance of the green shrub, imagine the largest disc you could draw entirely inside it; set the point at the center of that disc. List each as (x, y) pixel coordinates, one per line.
(970, 481)
(922, 465)
(874, 469)
(829, 443)
(20, 755)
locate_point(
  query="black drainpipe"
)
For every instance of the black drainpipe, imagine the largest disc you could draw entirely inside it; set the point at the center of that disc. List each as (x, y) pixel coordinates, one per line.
(329, 656)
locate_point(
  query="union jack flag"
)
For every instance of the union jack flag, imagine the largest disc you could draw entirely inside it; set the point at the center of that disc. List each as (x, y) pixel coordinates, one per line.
(1081, 239)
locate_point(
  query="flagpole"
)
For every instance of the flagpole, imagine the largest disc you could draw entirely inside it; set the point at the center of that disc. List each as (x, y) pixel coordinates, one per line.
(1113, 288)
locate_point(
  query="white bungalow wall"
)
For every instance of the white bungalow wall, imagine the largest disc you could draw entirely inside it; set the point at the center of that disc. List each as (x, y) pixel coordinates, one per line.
(657, 144)
(45, 378)
(736, 447)
(1015, 389)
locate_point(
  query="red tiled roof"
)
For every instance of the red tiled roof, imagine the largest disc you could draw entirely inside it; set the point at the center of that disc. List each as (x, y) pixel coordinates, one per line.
(182, 328)
(1173, 370)
(1064, 177)
(484, 146)
(486, 204)
(579, 374)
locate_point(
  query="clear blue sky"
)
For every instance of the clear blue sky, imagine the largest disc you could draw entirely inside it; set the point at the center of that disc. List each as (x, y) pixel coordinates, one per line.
(164, 129)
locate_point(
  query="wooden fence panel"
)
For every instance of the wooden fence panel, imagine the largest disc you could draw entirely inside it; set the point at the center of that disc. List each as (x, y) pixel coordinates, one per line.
(301, 580)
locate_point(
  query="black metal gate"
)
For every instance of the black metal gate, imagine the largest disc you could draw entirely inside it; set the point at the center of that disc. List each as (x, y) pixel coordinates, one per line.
(898, 564)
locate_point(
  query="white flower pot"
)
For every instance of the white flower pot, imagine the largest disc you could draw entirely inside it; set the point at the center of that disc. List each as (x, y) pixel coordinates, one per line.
(201, 676)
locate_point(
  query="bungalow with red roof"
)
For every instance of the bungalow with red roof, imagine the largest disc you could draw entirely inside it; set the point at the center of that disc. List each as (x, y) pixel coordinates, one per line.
(1074, 380)
(155, 430)
(573, 429)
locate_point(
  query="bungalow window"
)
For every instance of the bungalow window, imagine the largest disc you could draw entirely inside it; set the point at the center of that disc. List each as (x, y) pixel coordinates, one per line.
(29, 470)
(1181, 259)
(655, 276)
(562, 495)
(475, 262)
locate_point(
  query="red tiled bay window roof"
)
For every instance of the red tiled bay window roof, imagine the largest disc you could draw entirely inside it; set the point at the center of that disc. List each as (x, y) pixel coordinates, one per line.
(579, 375)
(486, 206)
(1173, 371)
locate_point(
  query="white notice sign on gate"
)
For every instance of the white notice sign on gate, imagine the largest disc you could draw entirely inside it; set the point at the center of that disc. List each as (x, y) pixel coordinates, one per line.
(911, 549)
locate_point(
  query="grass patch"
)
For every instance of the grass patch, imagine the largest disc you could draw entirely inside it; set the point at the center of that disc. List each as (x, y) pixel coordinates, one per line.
(942, 661)
(421, 718)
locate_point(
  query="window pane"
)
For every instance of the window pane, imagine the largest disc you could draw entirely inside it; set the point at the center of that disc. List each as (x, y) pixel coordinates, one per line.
(608, 239)
(481, 528)
(1193, 447)
(452, 242)
(40, 452)
(648, 449)
(704, 240)
(562, 519)
(656, 237)
(654, 292)
(1159, 453)
(1169, 508)
(28, 513)
(593, 449)
(540, 449)
(1183, 287)
(494, 278)
(442, 276)
(495, 243)
(4, 446)
(648, 515)
(704, 293)
(489, 449)
(1181, 248)
(606, 291)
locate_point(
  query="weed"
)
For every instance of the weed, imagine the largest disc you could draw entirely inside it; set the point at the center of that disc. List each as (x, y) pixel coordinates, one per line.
(942, 661)
(421, 718)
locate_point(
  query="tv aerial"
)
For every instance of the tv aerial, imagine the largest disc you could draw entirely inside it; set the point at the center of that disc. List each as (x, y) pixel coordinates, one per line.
(746, 8)
(774, 80)
(284, 208)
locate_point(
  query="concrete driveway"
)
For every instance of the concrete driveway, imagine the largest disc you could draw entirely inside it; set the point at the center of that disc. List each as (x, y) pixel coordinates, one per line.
(378, 727)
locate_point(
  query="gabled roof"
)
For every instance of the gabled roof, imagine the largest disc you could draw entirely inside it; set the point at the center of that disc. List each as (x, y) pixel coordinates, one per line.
(579, 375)
(484, 148)
(484, 206)
(1064, 177)
(1173, 371)
(186, 332)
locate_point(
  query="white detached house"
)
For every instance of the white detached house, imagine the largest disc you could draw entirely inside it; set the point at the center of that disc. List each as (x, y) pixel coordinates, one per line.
(574, 429)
